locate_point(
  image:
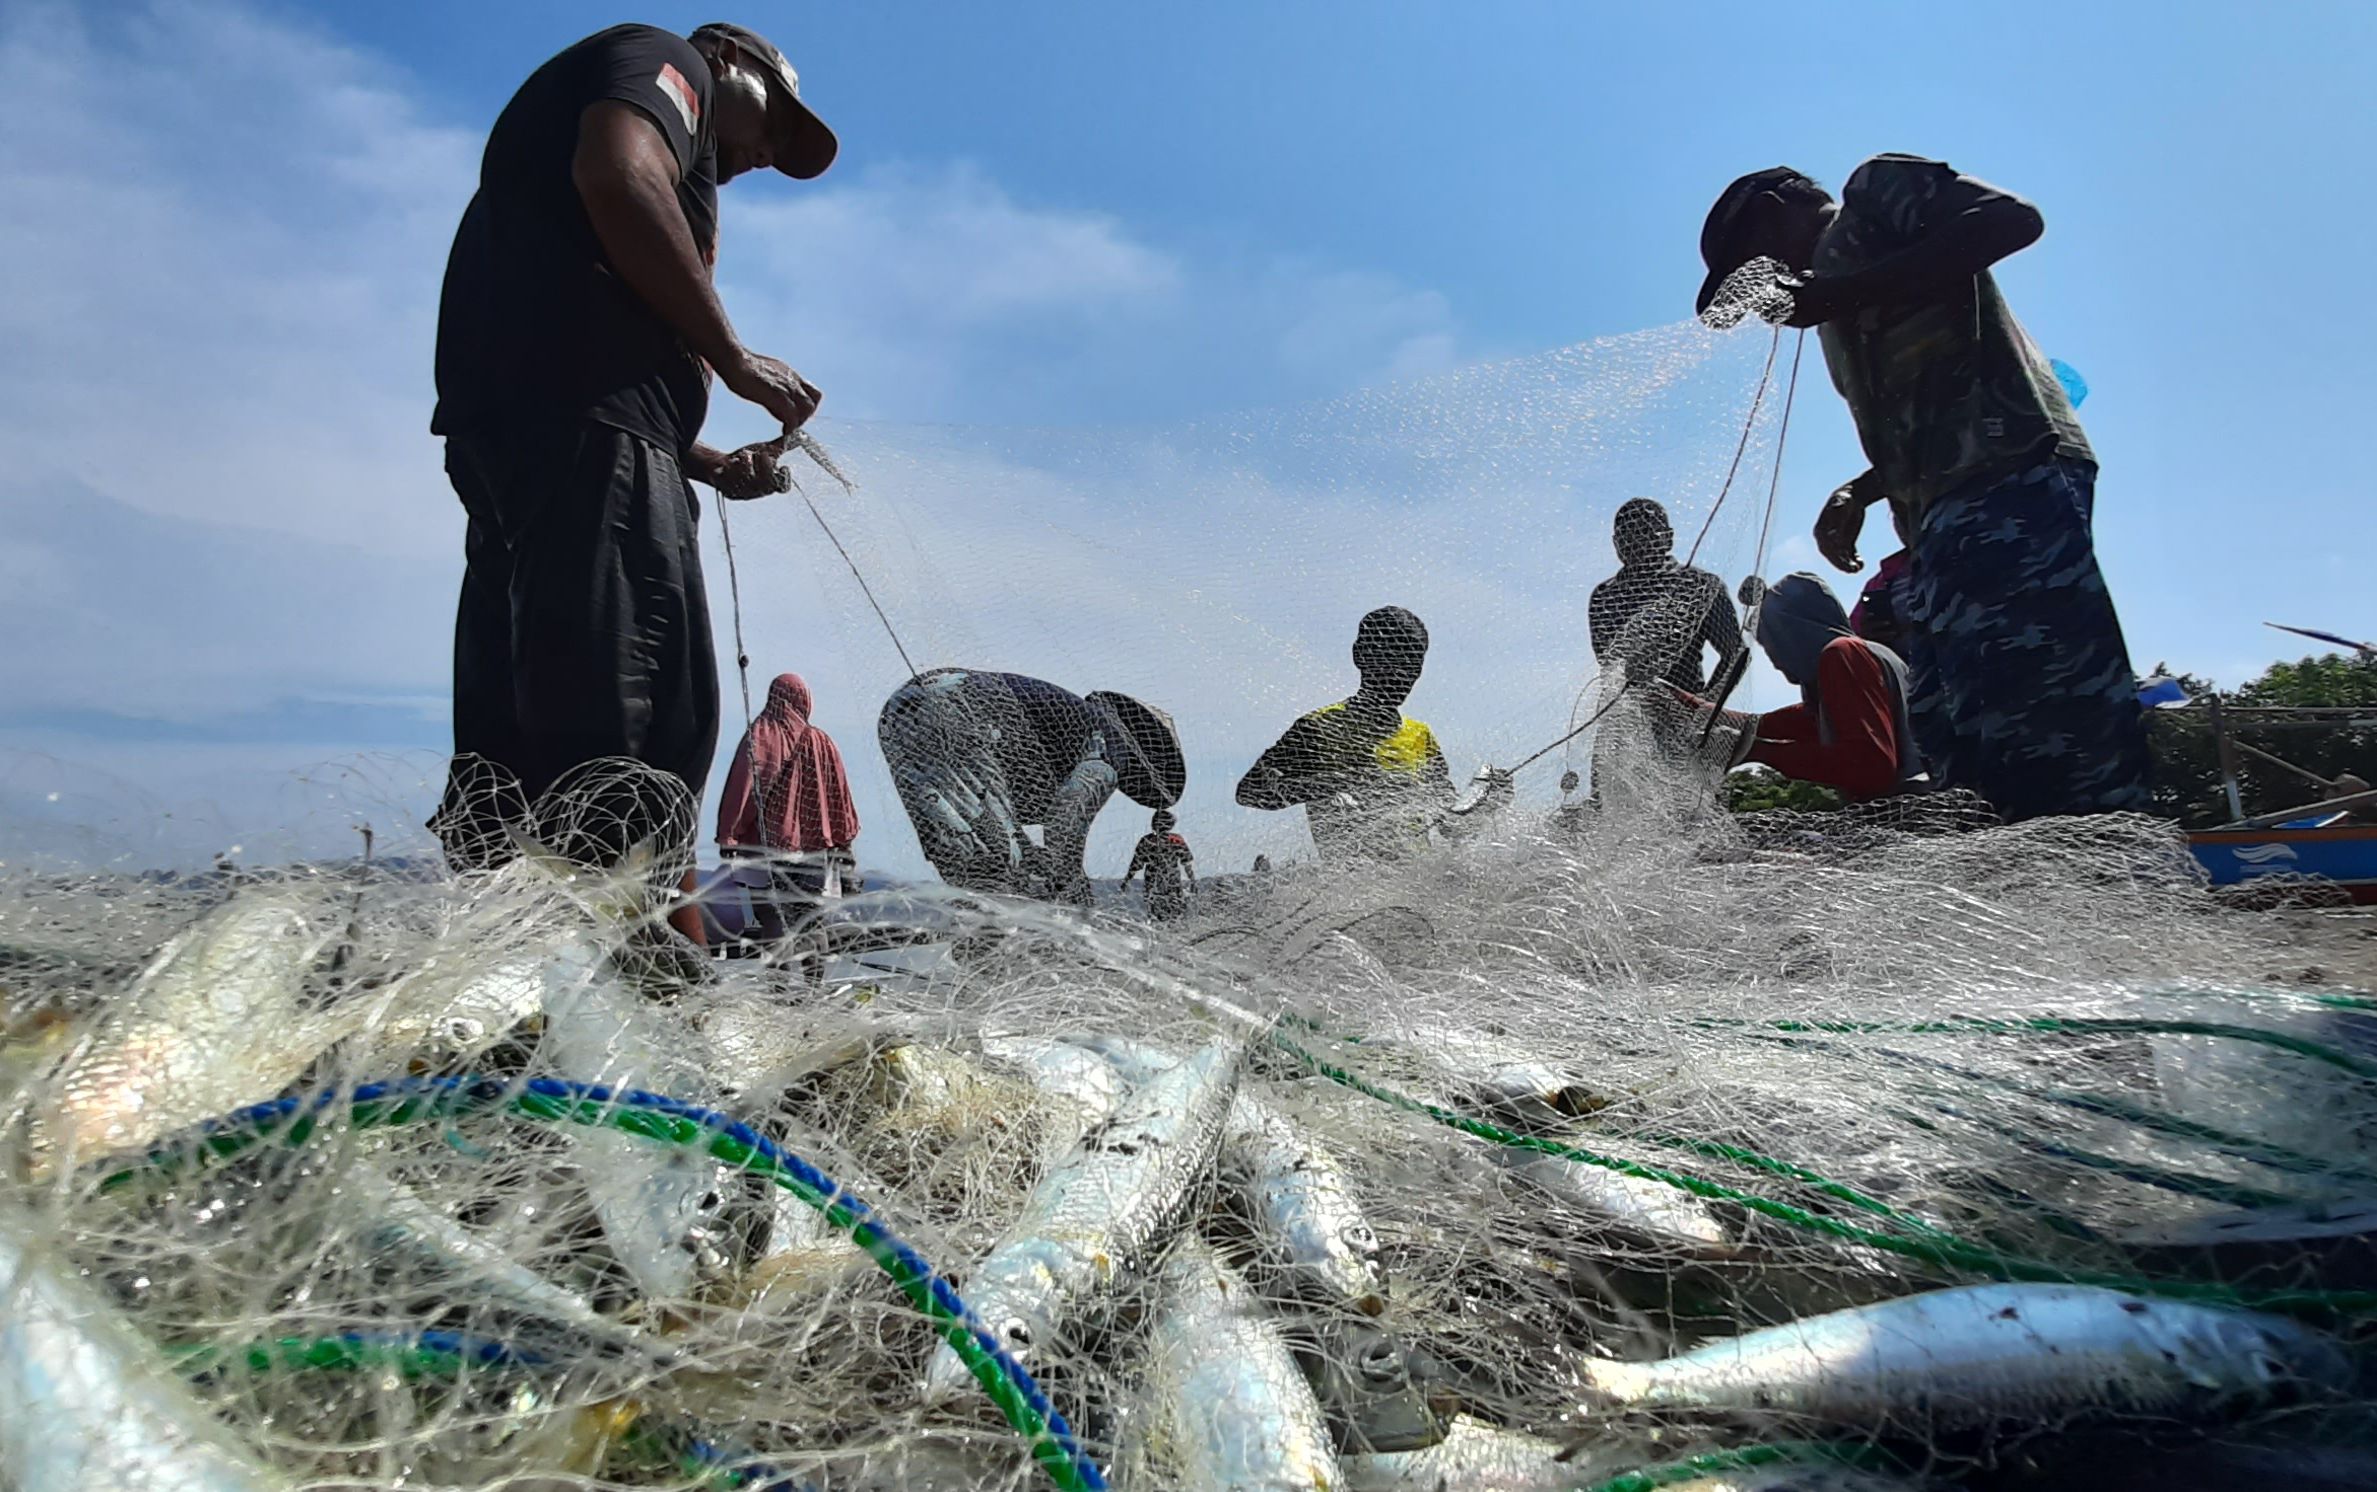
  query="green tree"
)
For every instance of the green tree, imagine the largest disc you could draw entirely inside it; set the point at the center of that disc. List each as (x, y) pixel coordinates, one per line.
(2187, 762)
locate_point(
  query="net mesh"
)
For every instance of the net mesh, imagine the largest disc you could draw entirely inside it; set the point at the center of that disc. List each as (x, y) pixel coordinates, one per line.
(1615, 1141)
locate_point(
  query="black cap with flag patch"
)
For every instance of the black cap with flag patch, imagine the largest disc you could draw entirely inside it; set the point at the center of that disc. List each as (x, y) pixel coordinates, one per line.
(805, 146)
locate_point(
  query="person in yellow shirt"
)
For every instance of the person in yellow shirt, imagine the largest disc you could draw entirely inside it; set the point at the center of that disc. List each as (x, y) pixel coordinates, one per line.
(1372, 781)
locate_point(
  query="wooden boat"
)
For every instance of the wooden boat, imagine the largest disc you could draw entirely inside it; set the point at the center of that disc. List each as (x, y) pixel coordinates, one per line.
(2344, 854)
(2331, 841)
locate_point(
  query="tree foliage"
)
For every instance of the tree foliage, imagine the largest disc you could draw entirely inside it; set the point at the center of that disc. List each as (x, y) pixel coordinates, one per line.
(2187, 762)
(1755, 789)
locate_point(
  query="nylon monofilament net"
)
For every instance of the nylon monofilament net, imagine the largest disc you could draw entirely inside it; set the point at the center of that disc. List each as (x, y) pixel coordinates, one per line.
(1616, 1141)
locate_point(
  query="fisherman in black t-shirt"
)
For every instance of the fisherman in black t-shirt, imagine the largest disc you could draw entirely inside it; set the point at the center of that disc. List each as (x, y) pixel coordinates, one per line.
(576, 337)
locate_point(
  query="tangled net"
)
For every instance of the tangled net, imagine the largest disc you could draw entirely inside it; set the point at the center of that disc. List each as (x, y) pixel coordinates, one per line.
(1623, 1144)
(547, 1206)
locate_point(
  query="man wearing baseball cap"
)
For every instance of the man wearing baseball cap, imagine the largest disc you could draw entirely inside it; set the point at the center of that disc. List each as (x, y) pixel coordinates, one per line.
(2023, 687)
(577, 336)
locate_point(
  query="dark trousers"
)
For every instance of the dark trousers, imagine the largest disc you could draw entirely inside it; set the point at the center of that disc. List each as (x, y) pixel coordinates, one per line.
(583, 630)
(2021, 685)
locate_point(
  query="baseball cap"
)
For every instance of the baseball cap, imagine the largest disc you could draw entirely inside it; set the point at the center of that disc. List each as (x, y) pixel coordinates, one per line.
(804, 144)
(1717, 248)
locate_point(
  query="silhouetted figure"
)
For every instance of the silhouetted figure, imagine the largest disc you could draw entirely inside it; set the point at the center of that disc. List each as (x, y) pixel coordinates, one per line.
(1372, 781)
(1169, 866)
(979, 756)
(1657, 615)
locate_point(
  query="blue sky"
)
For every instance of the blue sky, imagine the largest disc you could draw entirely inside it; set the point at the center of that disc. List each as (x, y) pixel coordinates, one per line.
(227, 226)
(1544, 168)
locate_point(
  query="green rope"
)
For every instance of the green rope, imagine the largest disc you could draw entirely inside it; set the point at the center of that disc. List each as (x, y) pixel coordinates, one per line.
(1839, 1191)
(1741, 1458)
(1940, 1250)
(2059, 1025)
(2207, 1188)
(419, 1105)
(319, 1354)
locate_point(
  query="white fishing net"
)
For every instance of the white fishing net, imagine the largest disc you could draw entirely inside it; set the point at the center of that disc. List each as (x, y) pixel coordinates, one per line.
(1355, 1175)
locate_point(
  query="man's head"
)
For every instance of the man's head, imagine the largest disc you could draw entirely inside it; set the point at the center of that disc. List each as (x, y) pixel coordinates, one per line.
(1642, 534)
(1390, 649)
(761, 120)
(1773, 214)
(1798, 619)
(1162, 822)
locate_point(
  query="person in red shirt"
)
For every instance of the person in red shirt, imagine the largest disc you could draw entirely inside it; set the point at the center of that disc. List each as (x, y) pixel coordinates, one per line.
(787, 810)
(1849, 731)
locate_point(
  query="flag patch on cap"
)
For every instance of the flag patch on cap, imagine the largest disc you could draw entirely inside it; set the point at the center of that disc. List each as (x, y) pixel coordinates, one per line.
(680, 93)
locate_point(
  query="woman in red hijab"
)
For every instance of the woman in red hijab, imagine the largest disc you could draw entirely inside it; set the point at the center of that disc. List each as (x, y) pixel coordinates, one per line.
(788, 804)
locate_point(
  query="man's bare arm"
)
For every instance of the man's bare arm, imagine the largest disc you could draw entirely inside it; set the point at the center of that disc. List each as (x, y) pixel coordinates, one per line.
(1994, 226)
(1285, 775)
(626, 174)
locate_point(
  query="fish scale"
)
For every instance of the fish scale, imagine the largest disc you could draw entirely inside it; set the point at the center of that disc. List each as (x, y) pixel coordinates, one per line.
(1228, 1408)
(85, 1402)
(1104, 1211)
(1980, 1354)
(218, 1018)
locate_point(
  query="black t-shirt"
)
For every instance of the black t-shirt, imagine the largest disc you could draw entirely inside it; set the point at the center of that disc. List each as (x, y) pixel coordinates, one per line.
(533, 322)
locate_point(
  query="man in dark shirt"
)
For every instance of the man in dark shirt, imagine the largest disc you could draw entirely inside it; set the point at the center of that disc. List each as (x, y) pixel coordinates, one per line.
(1660, 616)
(979, 757)
(1372, 780)
(577, 333)
(2022, 682)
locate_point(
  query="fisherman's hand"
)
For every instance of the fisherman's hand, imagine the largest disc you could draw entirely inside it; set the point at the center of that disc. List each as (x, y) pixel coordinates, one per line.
(753, 471)
(772, 386)
(1839, 524)
(1816, 299)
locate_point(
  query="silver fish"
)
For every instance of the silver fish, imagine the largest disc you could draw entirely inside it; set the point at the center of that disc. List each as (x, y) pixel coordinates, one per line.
(219, 1018)
(1062, 1070)
(1227, 1408)
(1980, 1354)
(1473, 1456)
(86, 1402)
(658, 1205)
(399, 1222)
(1651, 1210)
(1105, 1211)
(1314, 1236)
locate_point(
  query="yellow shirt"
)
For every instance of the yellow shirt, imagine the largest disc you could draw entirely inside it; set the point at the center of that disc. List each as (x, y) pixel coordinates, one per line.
(1396, 782)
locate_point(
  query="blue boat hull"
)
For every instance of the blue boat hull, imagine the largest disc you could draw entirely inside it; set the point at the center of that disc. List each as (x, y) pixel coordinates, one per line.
(2344, 854)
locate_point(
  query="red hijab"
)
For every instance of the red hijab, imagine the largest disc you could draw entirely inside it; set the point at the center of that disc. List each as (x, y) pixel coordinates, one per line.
(788, 790)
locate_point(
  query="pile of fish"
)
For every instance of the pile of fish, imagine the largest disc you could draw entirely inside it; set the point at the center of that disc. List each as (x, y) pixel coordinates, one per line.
(1223, 1270)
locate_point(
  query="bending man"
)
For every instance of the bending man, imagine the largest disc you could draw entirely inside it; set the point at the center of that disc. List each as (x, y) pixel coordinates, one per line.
(2024, 687)
(977, 757)
(1849, 731)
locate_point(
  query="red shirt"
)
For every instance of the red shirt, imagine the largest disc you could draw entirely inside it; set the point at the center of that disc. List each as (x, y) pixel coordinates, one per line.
(1861, 759)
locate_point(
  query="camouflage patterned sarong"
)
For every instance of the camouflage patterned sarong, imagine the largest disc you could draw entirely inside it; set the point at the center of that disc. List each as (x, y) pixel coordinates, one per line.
(2021, 684)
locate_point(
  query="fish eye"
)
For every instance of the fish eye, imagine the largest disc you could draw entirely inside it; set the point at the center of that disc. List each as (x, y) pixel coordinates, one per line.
(1360, 1238)
(1379, 1363)
(1016, 1336)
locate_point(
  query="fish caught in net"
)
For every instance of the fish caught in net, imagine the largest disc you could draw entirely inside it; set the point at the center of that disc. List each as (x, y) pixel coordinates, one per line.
(1614, 1141)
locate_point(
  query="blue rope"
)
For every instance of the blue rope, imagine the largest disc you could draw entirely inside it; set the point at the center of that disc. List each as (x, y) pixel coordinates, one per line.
(865, 1223)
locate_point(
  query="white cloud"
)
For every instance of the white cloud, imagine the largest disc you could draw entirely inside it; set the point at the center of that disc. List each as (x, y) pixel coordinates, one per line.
(219, 500)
